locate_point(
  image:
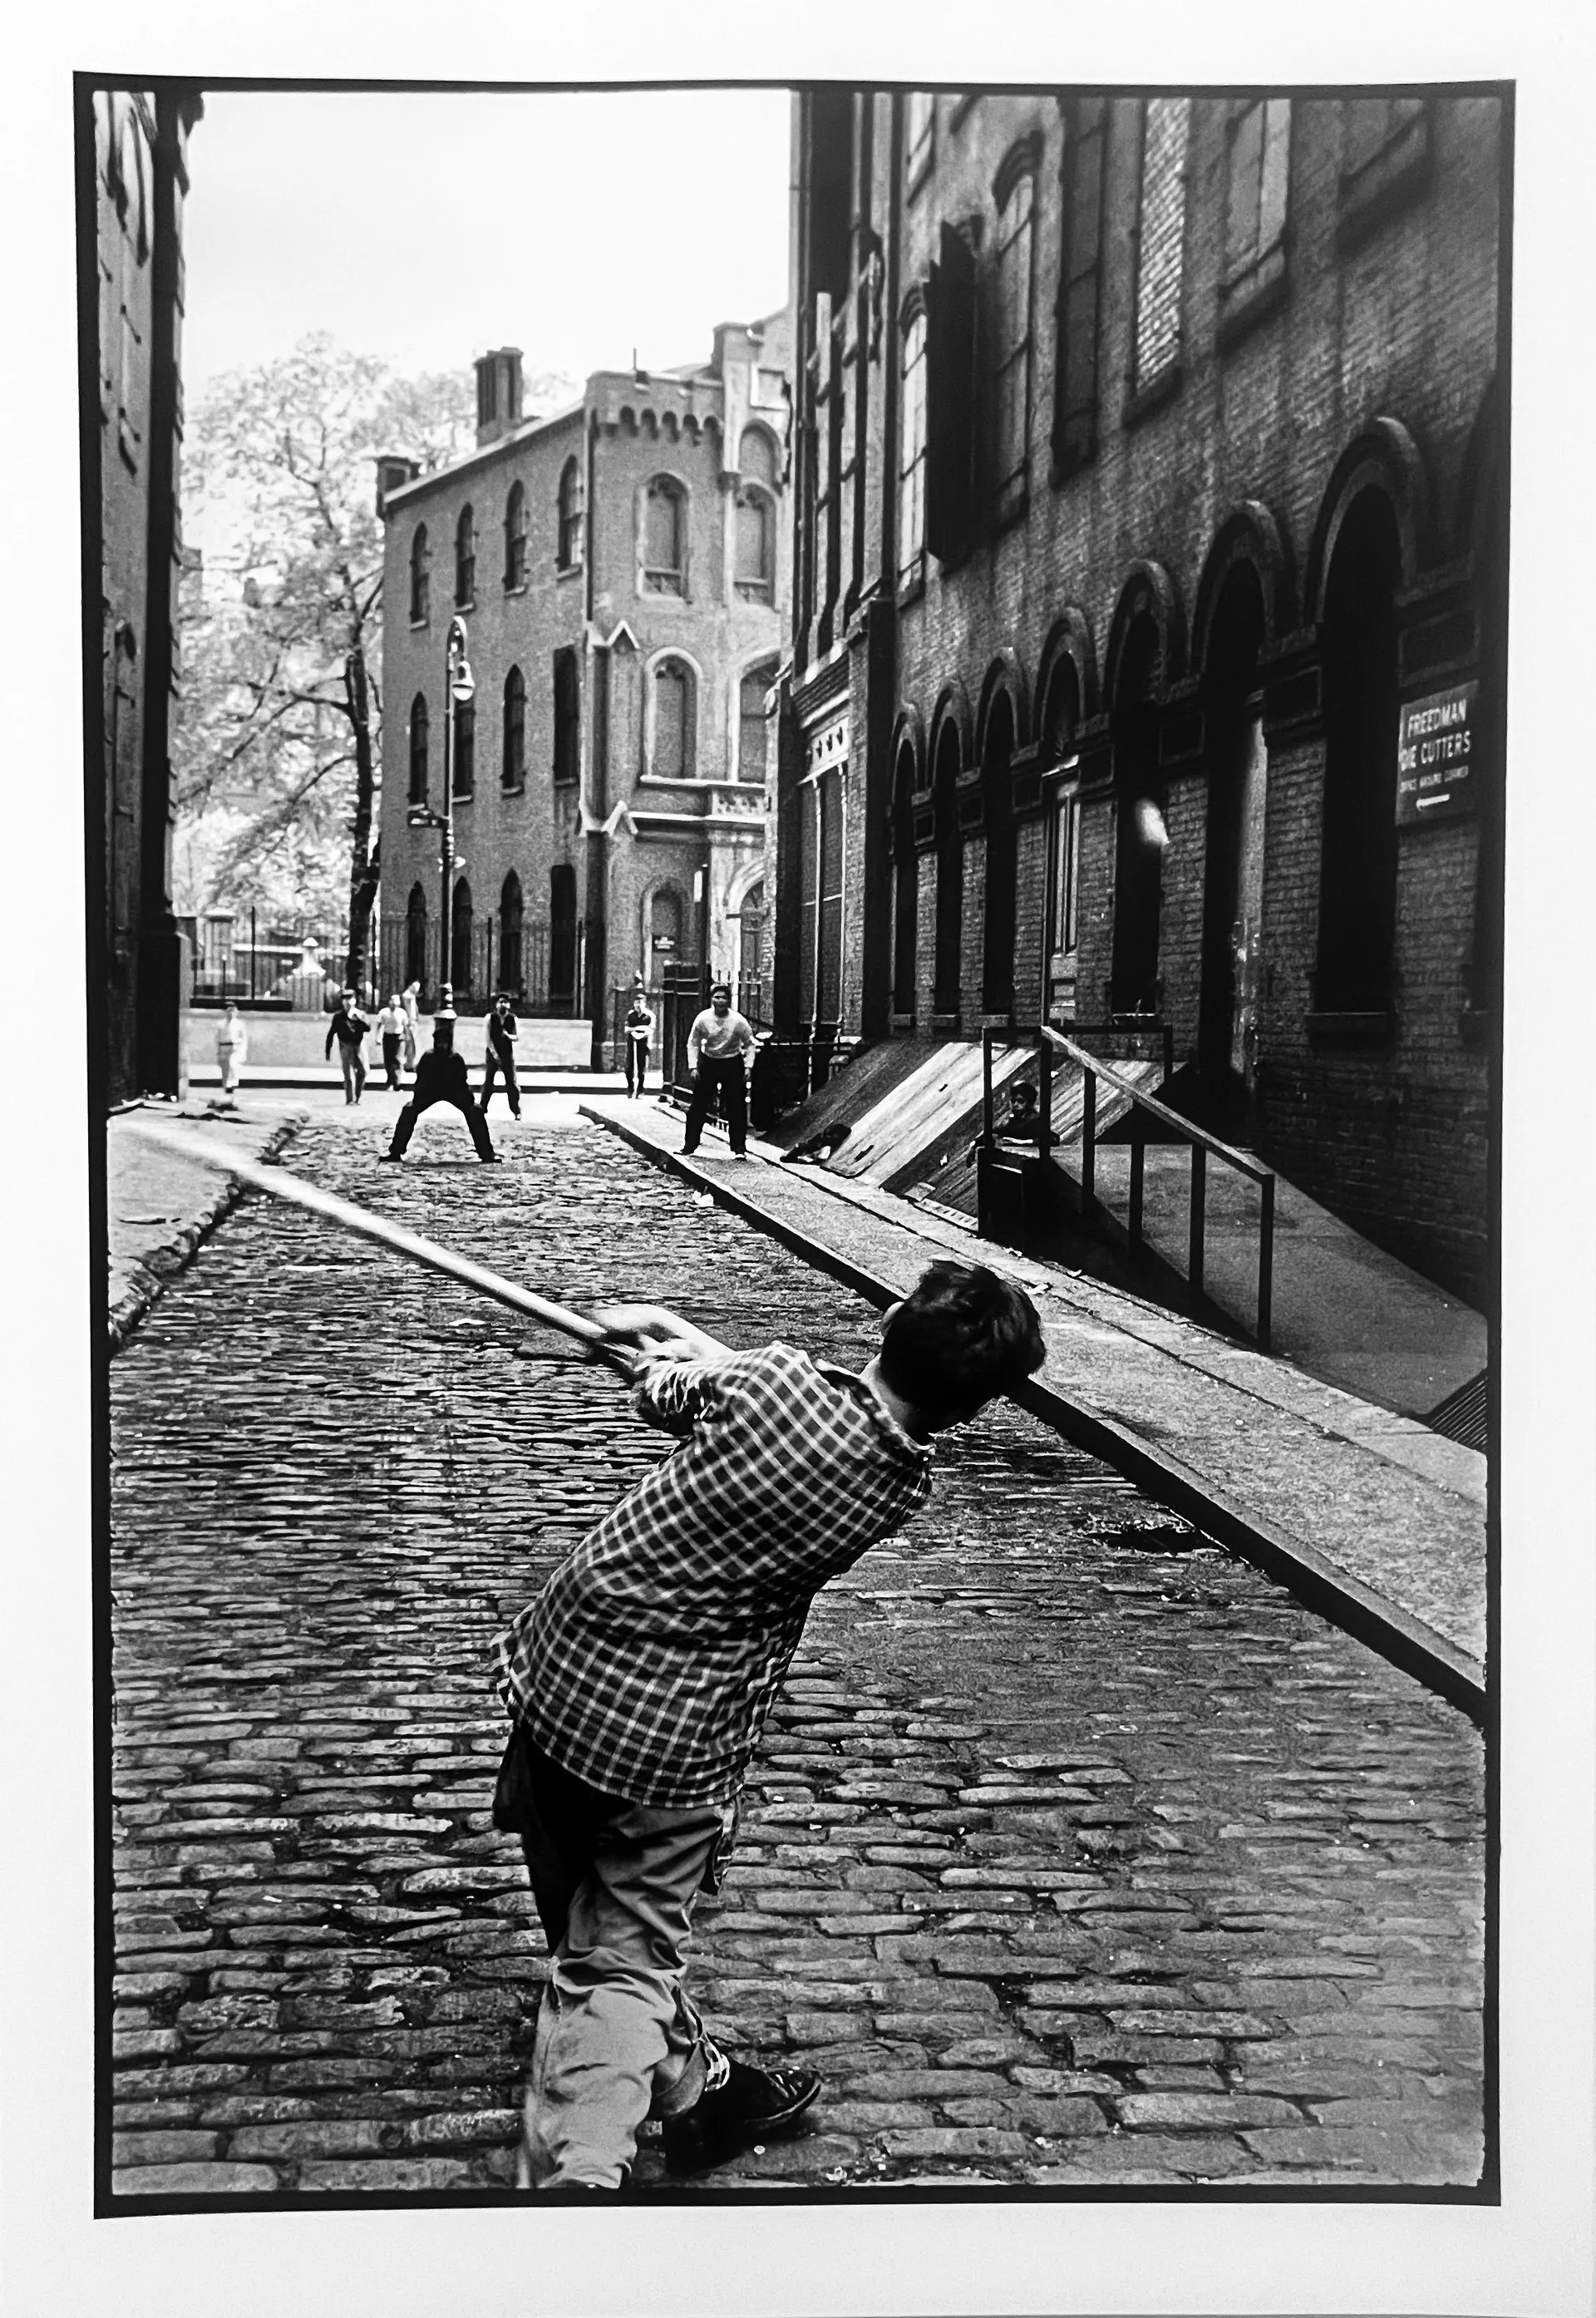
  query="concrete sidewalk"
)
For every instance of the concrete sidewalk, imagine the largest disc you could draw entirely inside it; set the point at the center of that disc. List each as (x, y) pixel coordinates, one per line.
(159, 1208)
(1370, 1517)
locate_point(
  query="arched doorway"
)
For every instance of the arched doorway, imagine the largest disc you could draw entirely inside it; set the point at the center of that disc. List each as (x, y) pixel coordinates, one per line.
(1358, 862)
(905, 886)
(1236, 767)
(950, 872)
(997, 954)
(461, 941)
(665, 932)
(1061, 715)
(511, 972)
(1138, 817)
(562, 935)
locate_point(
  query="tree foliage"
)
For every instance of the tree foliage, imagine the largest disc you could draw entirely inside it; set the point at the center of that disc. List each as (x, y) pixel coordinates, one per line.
(280, 482)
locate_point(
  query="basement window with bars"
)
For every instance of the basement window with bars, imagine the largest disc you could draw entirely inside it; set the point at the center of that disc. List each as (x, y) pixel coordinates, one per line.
(1258, 169)
(1161, 254)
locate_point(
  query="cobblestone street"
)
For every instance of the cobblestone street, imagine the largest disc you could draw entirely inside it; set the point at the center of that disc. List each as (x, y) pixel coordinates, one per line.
(1076, 1853)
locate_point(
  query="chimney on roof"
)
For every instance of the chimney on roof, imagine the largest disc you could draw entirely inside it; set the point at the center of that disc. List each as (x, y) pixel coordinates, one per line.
(393, 473)
(499, 393)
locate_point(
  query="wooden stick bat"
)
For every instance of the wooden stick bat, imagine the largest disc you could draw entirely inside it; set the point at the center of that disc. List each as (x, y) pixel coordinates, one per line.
(282, 1185)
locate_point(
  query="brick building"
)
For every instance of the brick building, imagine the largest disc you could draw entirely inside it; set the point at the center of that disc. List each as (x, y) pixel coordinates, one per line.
(1149, 606)
(621, 567)
(133, 168)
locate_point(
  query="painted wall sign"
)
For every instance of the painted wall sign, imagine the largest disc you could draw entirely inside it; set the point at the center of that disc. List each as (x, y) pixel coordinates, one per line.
(1436, 738)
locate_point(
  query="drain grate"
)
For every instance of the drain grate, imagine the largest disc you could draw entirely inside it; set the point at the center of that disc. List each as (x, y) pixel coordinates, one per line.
(1464, 1415)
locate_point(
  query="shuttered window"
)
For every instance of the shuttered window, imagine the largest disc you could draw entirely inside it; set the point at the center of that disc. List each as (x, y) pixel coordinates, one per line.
(950, 341)
(911, 455)
(1160, 236)
(1075, 390)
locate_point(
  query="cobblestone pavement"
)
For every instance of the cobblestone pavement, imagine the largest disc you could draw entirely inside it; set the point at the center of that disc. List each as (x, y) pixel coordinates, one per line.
(1076, 1853)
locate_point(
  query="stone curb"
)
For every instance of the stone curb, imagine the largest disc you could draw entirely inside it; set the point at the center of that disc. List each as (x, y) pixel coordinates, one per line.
(146, 1279)
(1405, 1640)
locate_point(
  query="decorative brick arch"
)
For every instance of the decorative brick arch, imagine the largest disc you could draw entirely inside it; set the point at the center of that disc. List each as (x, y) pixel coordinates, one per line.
(1250, 535)
(910, 732)
(1007, 675)
(1383, 457)
(953, 708)
(1069, 639)
(1148, 591)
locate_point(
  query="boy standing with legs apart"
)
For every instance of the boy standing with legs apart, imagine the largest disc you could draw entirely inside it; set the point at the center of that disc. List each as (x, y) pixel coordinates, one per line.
(639, 1679)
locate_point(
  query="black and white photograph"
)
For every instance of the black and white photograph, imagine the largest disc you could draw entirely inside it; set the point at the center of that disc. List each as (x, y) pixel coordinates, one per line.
(799, 932)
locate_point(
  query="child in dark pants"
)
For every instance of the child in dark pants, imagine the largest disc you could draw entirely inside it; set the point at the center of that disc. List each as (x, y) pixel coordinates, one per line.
(639, 1679)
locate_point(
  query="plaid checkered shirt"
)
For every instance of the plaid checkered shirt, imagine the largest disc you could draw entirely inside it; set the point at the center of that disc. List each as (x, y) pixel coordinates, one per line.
(649, 1662)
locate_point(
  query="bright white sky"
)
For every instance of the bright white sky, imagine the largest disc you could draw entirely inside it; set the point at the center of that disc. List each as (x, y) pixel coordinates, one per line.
(426, 227)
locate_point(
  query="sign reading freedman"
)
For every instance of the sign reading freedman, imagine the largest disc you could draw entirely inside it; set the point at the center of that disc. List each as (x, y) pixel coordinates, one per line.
(1435, 756)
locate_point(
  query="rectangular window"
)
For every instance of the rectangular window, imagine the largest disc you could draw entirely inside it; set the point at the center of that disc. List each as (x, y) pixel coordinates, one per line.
(1161, 239)
(920, 134)
(1384, 162)
(1012, 383)
(950, 402)
(1257, 171)
(911, 457)
(1075, 407)
(1062, 926)
(567, 715)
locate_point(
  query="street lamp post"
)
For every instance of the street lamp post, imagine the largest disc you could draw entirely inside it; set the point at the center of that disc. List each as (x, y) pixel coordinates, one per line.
(459, 686)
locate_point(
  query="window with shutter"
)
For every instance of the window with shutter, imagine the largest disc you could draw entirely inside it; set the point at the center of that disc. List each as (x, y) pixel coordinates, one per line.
(567, 715)
(516, 537)
(418, 769)
(756, 545)
(465, 748)
(950, 341)
(1160, 240)
(465, 557)
(750, 721)
(513, 768)
(571, 511)
(1075, 376)
(1011, 379)
(756, 457)
(673, 731)
(1257, 171)
(911, 455)
(420, 577)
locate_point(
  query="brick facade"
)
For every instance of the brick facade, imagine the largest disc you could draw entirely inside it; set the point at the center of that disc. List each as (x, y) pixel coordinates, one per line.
(1280, 518)
(135, 143)
(645, 825)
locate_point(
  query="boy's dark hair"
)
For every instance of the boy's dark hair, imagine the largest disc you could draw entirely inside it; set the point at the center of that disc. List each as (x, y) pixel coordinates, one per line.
(963, 1336)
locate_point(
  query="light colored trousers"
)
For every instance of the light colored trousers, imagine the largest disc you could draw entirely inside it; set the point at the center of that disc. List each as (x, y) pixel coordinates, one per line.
(617, 2039)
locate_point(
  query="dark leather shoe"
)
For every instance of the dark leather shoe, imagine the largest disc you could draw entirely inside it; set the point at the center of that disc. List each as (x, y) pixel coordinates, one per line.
(752, 2105)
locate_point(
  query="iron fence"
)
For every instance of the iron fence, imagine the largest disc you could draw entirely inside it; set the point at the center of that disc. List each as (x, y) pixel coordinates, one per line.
(295, 964)
(537, 967)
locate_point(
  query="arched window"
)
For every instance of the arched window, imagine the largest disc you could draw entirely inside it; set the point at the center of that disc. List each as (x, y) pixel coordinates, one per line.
(756, 544)
(516, 537)
(465, 749)
(569, 550)
(512, 771)
(756, 458)
(415, 937)
(950, 874)
(563, 933)
(664, 557)
(418, 767)
(905, 886)
(1012, 378)
(911, 455)
(461, 942)
(750, 721)
(511, 976)
(465, 557)
(673, 753)
(420, 575)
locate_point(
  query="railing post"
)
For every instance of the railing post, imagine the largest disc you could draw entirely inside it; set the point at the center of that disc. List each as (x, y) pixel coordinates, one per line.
(1138, 1156)
(1088, 1139)
(1194, 1251)
(1266, 1260)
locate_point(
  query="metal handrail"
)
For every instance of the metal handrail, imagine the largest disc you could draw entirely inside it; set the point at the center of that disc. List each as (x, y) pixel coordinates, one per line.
(1197, 1138)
